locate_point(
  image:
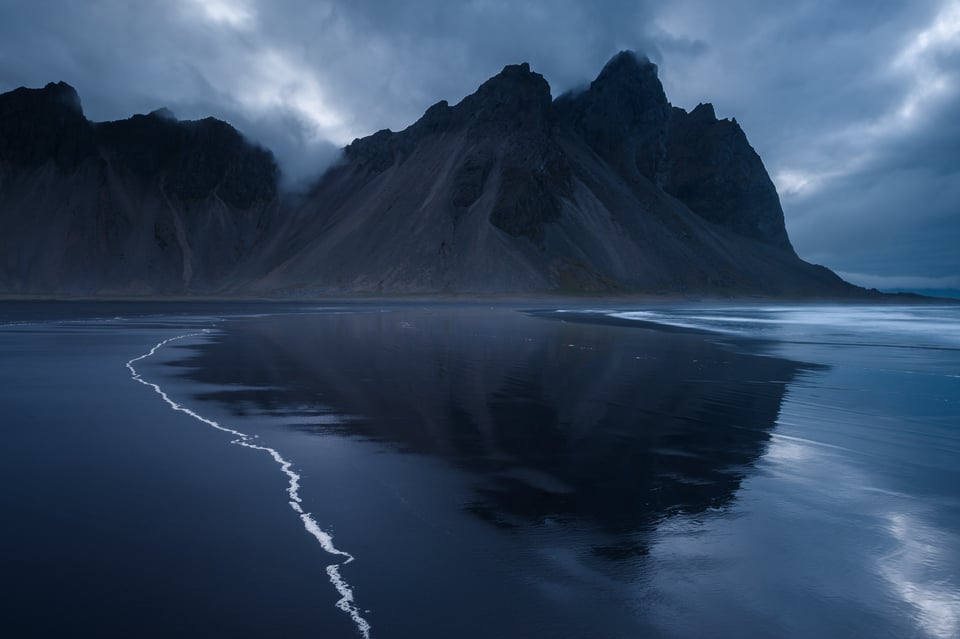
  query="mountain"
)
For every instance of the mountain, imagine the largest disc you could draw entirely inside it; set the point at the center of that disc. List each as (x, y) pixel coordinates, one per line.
(148, 205)
(607, 190)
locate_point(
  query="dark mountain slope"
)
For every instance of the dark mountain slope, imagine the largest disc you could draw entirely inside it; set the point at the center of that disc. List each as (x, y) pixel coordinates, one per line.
(509, 191)
(706, 163)
(607, 190)
(147, 205)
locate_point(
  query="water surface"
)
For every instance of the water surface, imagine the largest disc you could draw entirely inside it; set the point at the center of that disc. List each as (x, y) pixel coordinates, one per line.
(610, 472)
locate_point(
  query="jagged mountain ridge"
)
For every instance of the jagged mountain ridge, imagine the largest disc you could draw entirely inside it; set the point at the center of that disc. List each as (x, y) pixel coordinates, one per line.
(611, 189)
(706, 163)
(148, 205)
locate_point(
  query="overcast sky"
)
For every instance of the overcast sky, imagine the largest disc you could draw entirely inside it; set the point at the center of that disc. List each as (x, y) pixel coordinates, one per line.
(854, 106)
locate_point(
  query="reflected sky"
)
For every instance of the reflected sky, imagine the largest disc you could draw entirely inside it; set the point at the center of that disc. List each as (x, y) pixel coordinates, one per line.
(648, 472)
(780, 471)
(553, 421)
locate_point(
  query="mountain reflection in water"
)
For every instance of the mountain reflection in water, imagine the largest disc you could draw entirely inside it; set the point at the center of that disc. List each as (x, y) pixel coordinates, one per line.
(614, 426)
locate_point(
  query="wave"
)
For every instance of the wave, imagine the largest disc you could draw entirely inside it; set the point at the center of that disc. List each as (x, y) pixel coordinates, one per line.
(932, 328)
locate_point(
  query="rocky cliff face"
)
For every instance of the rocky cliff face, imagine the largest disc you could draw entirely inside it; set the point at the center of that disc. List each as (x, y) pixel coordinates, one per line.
(148, 205)
(623, 116)
(607, 190)
(509, 124)
(610, 189)
(43, 125)
(712, 169)
(706, 163)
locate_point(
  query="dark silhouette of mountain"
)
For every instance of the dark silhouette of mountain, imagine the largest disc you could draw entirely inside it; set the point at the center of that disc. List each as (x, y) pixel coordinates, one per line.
(608, 190)
(706, 163)
(603, 191)
(545, 415)
(149, 205)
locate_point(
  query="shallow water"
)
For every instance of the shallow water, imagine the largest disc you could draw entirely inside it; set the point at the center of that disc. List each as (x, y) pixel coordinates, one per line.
(469, 471)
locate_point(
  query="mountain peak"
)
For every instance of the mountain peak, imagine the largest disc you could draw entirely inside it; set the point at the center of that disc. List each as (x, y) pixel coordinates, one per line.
(37, 125)
(633, 74)
(623, 115)
(628, 64)
(52, 97)
(163, 113)
(515, 78)
(61, 93)
(518, 69)
(515, 73)
(704, 111)
(515, 94)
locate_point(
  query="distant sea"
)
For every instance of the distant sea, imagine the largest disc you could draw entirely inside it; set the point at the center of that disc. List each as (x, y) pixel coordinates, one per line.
(477, 471)
(949, 293)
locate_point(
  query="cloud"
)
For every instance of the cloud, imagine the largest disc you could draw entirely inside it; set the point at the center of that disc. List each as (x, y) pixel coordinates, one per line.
(853, 111)
(852, 106)
(888, 220)
(300, 76)
(233, 13)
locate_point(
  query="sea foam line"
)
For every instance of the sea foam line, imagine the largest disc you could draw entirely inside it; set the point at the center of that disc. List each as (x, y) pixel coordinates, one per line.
(346, 603)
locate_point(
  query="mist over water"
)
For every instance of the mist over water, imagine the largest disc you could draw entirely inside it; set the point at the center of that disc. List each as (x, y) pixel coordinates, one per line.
(777, 471)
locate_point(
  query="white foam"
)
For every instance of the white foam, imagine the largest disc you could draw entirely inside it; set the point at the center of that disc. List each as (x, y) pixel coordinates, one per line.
(901, 326)
(346, 603)
(17, 324)
(668, 321)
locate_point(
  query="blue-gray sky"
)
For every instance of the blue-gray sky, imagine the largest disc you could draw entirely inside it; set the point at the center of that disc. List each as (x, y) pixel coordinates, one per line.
(853, 106)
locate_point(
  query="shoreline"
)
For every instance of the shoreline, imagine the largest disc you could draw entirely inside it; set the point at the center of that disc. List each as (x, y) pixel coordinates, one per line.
(503, 298)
